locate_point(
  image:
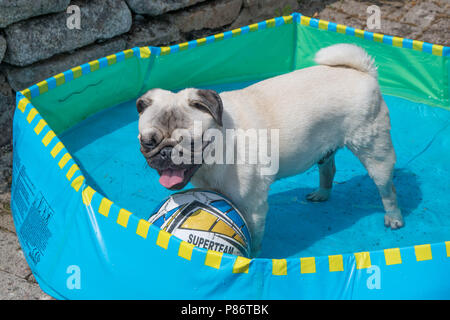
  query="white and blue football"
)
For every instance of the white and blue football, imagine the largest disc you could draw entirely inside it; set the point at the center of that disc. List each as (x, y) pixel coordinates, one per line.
(205, 219)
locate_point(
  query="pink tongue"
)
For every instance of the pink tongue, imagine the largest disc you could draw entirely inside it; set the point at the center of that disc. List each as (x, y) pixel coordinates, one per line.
(170, 177)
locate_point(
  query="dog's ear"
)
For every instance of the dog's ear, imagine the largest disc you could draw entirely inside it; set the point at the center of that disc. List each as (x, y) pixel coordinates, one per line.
(143, 103)
(210, 101)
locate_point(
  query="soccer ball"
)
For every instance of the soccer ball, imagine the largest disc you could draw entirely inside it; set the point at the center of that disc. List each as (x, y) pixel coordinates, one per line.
(206, 219)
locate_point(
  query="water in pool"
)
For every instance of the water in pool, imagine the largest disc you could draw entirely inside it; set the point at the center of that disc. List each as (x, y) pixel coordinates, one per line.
(106, 147)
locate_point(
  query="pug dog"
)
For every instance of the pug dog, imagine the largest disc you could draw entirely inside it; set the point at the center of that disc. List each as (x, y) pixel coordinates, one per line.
(316, 110)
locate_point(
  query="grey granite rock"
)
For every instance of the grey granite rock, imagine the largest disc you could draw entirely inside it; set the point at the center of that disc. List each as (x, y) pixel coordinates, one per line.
(396, 17)
(310, 8)
(2, 47)
(353, 9)
(40, 38)
(258, 10)
(16, 10)
(210, 15)
(22, 77)
(157, 7)
(153, 32)
(438, 32)
(422, 14)
(6, 112)
(329, 14)
(5, 181)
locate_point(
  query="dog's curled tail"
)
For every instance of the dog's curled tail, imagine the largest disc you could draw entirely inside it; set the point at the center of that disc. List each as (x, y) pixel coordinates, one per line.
(349, 55)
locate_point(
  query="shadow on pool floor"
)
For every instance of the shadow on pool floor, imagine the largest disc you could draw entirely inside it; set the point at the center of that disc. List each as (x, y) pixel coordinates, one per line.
(351, 220)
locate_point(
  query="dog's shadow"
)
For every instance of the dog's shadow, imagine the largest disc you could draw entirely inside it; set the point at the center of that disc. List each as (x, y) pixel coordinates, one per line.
(293, 224)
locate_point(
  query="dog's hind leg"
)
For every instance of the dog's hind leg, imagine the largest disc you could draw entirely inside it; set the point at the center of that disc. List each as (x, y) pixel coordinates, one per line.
(379, 162)
(327, 170)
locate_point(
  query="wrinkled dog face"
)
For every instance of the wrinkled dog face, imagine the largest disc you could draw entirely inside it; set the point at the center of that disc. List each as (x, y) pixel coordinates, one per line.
(165, 119)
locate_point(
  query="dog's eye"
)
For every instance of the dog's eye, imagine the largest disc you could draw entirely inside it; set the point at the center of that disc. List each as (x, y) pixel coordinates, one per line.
(149, 144)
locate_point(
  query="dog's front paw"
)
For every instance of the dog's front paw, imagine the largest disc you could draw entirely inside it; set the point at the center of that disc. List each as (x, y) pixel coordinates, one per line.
(394, 219)
(319, 195)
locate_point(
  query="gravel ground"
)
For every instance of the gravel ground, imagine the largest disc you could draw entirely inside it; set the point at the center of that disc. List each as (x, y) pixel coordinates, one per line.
(423, 20)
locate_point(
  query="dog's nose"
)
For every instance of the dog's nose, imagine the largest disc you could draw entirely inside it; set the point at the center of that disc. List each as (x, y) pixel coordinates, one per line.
(166, 152)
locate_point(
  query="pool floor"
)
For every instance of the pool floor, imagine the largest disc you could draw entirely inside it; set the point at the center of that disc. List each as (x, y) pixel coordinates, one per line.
(106, 147)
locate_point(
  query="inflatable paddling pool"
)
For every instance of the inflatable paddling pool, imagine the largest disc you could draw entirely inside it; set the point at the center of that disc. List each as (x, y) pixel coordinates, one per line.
(82, 192)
